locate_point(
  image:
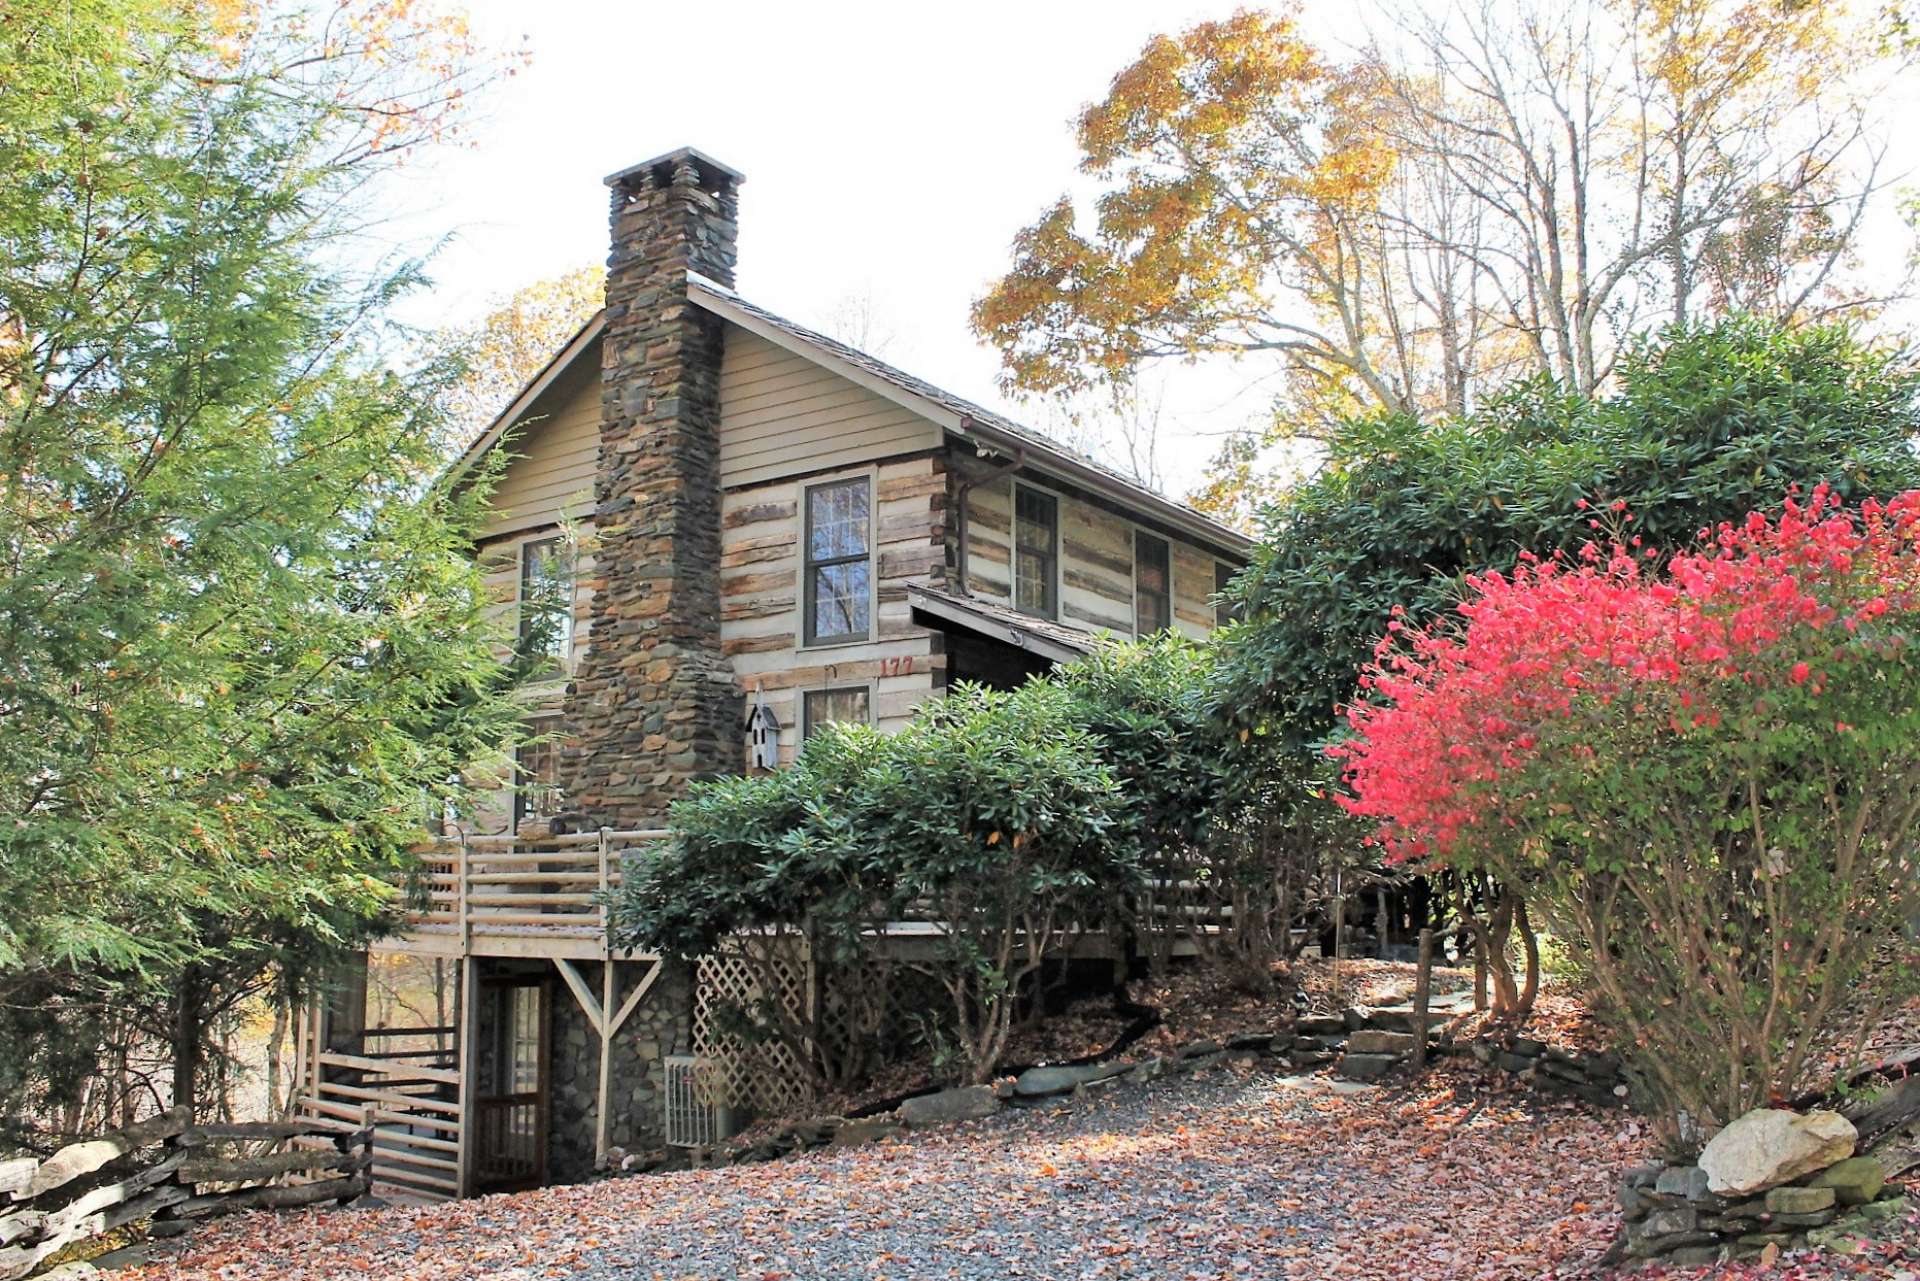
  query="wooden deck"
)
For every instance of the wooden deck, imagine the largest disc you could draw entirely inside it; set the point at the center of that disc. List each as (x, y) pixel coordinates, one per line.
(509, 896)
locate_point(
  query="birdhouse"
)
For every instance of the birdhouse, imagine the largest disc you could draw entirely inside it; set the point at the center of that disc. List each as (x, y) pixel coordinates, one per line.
(763, 735)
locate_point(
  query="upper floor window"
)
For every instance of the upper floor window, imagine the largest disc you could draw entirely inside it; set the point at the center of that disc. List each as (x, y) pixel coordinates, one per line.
(839, 561)
(823, 706)
(1036, 551)
(1152, 584)
(1224, 610)
(546, 598)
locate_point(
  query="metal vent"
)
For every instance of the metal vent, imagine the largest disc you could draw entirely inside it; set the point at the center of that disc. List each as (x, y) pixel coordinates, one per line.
(692, 1119)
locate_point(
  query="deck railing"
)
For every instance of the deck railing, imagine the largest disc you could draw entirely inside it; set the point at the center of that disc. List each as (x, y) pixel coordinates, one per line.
(525, 883)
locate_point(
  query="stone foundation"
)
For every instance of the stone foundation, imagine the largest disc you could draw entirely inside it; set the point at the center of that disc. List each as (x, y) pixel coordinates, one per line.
(660, 1025)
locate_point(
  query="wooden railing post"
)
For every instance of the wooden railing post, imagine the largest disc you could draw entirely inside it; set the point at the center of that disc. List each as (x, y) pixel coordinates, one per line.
(605, 886)
(462, 871)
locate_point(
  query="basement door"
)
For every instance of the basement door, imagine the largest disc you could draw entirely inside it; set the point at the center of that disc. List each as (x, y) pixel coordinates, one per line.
(511, 1108)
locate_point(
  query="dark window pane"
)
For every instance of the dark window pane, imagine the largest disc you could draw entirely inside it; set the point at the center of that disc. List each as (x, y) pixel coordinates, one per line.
(1152, 584)
(537, 772)
(546, 598)
(824, 706)
(840, 600)
(837, 520)
(1036, 540)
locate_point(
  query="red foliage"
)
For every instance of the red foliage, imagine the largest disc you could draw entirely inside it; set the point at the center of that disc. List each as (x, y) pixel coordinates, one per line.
(1463, 712)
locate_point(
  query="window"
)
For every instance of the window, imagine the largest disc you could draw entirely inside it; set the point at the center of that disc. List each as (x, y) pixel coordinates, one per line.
(839, 567)
(1036, 551)
(1224, 611)
(1152, 584)
(536, 769)
(546, 599)
(822, 706)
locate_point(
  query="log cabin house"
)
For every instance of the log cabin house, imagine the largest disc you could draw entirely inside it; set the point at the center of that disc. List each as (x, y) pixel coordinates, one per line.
(752, 530)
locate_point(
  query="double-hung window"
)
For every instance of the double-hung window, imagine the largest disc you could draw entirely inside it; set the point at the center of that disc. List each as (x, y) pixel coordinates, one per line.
(1036, 552)
(838, 585)
(1152, 584)
(546, 598)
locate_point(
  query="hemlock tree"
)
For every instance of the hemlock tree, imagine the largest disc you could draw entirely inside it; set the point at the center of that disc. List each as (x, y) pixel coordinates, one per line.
(242, 646)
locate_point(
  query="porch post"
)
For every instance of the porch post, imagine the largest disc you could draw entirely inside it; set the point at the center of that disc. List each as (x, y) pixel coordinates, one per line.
(603, 1129)
(469, 1066)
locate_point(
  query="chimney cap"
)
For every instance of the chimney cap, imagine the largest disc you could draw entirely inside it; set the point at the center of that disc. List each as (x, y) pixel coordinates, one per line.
(712, 172)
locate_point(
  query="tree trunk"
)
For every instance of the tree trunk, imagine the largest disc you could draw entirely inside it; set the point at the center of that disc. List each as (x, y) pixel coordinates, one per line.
(189, 1029)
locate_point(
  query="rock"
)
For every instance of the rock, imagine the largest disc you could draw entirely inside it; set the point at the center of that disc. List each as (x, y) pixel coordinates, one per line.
(967, 1103)
(1035, 1083)
(1818, 1219)
(1366, 1067)
(1643, 1176)
(1515, 1063)
(1321, 1025)
(1671, 1221)
(1633, 1205)
(1258, 1042)
(1689, 1256)
(1799, 1200)
(1855, 1181)
(855, 1133)
(1198, 1050)
(1687, 1181)
(1481, 1051)
(1357, 1017)
(1528, 1046)
(1883, 1211)
(1370, 1041)
(1768, 1147)
(1761, 1240)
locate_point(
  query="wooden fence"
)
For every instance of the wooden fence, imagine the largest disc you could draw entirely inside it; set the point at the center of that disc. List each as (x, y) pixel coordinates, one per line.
(169, 1173)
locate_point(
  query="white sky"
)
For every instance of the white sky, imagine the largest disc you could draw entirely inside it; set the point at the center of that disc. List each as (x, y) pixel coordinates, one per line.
(891, 151)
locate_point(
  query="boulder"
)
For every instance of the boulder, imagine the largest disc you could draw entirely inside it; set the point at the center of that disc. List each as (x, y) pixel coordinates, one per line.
(1035, 1083)
(1855, 1181)
(1371, 1041)
(967, 1103)
(1768, 1147)
(855, 1133)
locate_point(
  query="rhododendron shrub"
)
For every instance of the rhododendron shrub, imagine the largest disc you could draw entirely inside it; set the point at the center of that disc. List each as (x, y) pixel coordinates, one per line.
(1705, 773)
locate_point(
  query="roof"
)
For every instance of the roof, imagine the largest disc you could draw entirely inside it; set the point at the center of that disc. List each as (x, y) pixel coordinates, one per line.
(1002, 623)
(955, 413)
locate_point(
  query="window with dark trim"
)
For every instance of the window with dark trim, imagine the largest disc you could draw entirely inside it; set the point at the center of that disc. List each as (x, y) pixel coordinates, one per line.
(1036, 552)
(546, 598)
(1152, 584)
(536, 772)
(838, 584)
(1224, 610)
(824, 706)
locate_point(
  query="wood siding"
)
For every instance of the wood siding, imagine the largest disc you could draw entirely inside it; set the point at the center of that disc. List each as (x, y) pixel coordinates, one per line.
(1095, 577)
(782, 415)
(554, 456)
(760, 614)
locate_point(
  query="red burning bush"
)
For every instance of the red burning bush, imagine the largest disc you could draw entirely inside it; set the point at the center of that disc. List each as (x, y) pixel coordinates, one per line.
(1706, 774)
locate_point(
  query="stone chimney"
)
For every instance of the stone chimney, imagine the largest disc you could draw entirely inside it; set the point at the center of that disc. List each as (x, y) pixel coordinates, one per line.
(654, 704)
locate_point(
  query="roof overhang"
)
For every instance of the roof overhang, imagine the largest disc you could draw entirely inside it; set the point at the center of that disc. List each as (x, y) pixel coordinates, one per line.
(994, 625)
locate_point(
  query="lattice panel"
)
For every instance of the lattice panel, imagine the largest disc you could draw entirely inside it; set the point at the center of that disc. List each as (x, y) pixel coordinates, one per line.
(761, 1075)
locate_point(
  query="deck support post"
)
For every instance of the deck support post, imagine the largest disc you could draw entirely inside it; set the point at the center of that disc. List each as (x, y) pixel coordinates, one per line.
(469, 1067)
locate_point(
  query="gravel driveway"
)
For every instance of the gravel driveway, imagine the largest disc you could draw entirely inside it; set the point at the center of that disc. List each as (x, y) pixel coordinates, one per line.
(1224, 1174)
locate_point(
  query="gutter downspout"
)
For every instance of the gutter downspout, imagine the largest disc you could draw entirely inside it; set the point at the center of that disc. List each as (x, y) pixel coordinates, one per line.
(966, 488)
